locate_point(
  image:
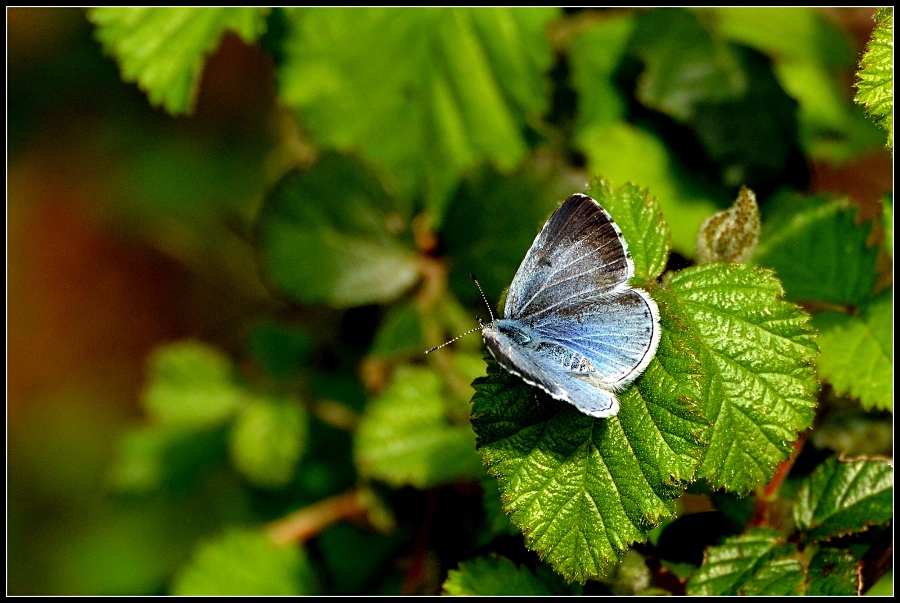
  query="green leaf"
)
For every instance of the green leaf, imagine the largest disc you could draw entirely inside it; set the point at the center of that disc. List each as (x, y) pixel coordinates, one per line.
(405, 437)
(640, 219)
(756, 563)
(758, 363)
(267, 439)
(400, 332)
(330, 235)
(887, 221)
(857, 353)
(448, 89)
(498, 576)
(625, 153)
(730, 235)
(834, 572)
(583, 489)
(245, 563)
(594, 56)
(817, 249)
(162, 48)
(844, 497)
(875, 86)
(190, 384)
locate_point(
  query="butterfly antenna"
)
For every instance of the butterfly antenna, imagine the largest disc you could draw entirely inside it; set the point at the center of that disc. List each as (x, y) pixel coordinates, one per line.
(477, 284)
(478, 328)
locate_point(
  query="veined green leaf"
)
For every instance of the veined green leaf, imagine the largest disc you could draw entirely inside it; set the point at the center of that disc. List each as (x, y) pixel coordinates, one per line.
(760, 379)
(406, 438)
(817, 249)
(756, 563)
(875, 87)
(843, 497)
(498, 576)
(245, 563)
(638, 216)
(448, 89)
(336, 246)
(582, 489)
(856, 352)
(267, 440)
(162, 48)
(834, 572)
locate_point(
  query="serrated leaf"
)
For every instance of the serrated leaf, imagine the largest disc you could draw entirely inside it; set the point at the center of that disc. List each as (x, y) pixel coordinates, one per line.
(449, 89)
(638, 216)
(330, 235)
(834, 572)
(405, 438)
(730, 235)
(245, 563)
(162, 48)
(625, 153)
(756, 563)
(817, 249)
(760, 379)
(582, 489)
(843, 497)
(190, 384)
(498, 576)
(875, 86)
(267, 439)
(856, 352)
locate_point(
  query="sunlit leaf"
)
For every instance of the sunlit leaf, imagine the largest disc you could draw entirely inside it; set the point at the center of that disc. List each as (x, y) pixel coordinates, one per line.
(267, 440)
(875, 87)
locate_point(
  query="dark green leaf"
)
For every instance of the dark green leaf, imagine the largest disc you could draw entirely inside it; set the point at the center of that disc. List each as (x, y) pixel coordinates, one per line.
(817, 249)
(448, 89)
(843, 497)
(875, 88)
(857, 352)
(406, 438)
(498, 576)
(834, 572)
(638, 216)
(331, 235)
(583, 489)
(760, 379)
(400, 332)
(267, 440)
(757, 563)
(245, 563)
(162, 48)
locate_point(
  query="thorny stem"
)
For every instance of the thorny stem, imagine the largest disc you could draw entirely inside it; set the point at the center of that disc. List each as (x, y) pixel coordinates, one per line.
(308, 522)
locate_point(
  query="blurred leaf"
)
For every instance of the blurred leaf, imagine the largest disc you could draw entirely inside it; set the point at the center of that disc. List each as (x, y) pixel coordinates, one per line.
(638, 216)
(267, 439)
(405, 437)
(760, 380)
(834, 572)
(857, 353)
(355, 557)
(624, 153)
(498, 576)
(447, 90)
(631, 576)
(854, 432)
(756, 563)
(281, 349)
(329, 235)
(162, 48)
(245, 563)
(190, 384)
(887, 221)
(875, 87)
(594, 57)
(583, 489)
(400, 332)
(678, 78)
(817, 249)
(730, 235)
(844, 497)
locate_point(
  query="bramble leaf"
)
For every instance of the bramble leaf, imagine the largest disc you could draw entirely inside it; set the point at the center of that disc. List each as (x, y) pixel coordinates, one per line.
(856, 352)
(875, 87)
(843, 497)
(162, 48)
(267, 439)
(758, 362)
(498, 576)
(834, 572)
(582, 489)
(448, 89)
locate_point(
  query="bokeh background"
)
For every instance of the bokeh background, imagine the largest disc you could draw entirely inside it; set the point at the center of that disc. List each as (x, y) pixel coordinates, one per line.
(129, 228)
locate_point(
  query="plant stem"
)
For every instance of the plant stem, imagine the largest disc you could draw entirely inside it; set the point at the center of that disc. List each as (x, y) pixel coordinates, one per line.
(309, 521)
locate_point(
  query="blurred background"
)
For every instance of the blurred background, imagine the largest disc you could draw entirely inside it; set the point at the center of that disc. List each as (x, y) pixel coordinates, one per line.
(129, 228)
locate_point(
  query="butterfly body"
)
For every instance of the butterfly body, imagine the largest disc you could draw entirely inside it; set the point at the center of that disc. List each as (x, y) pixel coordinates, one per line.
(572, 324)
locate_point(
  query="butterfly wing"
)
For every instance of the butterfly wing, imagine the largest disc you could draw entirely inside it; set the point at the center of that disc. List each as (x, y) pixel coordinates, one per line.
(578, 256)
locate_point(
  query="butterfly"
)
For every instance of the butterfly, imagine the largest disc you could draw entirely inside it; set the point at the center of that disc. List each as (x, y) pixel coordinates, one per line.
(572, 324)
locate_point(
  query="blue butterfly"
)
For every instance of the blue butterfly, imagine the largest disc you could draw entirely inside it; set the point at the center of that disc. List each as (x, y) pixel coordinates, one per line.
(572, 325)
